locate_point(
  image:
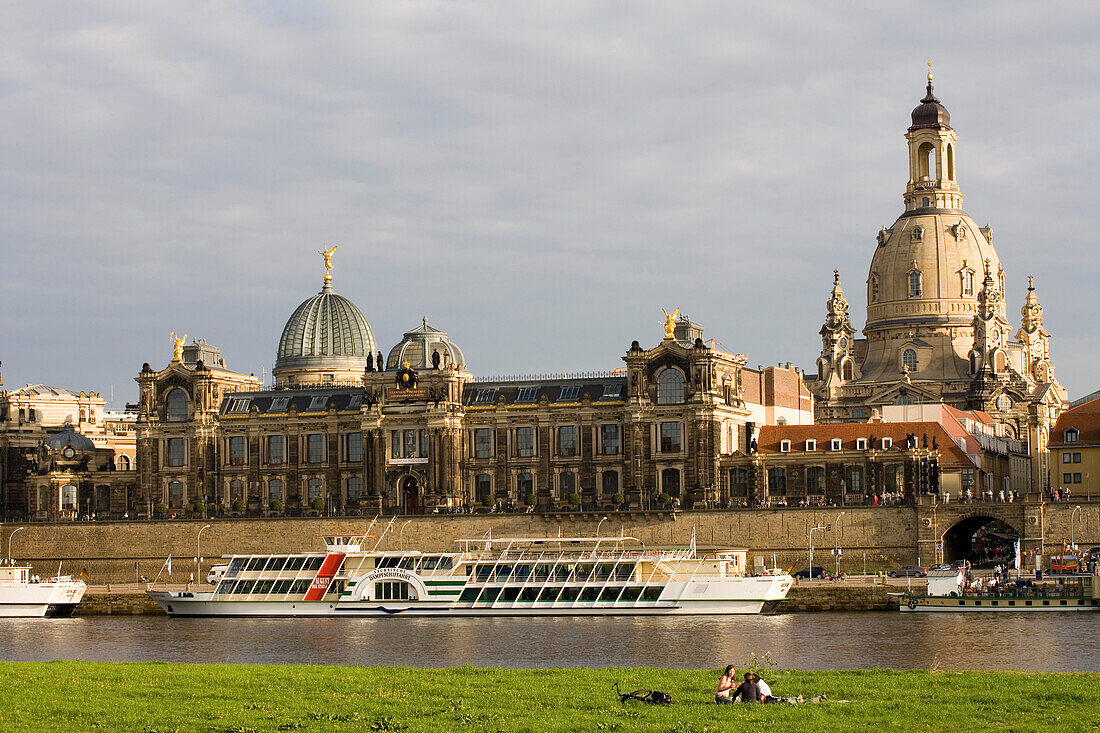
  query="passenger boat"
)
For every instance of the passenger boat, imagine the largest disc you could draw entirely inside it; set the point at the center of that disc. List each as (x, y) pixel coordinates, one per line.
(1053, 593)
(513, 576)
(22, 595)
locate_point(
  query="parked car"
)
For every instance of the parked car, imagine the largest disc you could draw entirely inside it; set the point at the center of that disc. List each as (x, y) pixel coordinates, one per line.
(957, 565)
(215, 574)
(817, 574)
(908, 571)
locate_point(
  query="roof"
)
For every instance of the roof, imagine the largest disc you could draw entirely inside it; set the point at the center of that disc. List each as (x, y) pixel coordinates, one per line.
(521, 393)
(1085, 417)
(280, 401)
(326, 329)
(771, 435)
(44, 390)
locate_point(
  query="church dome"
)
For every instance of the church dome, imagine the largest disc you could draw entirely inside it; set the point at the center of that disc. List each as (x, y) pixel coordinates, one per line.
(326, 339)
(930, 113)
(69, 437)
(418, 345)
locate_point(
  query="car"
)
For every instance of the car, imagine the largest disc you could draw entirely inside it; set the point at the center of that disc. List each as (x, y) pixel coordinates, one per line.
(957, 565)
(817, 574)
(908, 571)
(216, 573)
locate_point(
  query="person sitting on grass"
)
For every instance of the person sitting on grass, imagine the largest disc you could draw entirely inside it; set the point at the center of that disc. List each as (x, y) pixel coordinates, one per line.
(749, 690)
(726, 684)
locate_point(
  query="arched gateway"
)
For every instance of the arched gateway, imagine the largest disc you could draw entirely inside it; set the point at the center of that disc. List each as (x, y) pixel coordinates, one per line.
(980, 539)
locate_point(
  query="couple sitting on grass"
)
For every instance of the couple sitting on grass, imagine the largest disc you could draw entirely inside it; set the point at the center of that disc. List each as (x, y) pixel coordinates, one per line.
(753, 689)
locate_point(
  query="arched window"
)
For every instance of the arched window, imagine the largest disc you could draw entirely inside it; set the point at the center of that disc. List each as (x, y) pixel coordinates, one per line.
(670, 481)
(670, 387)
(236, 490)
(853, 477)
(968, 282)
(905, 399)
(122, 463)
(914, 284)
(950, 162)
(815, 480)
(998, 361)
(525, 484)
(846, 369)
(610, 483)
(909, 359)
(1004, 404)
(68, 497)
(777, 481)
(926, 165)
(568, 483)
(175, 493)
(355, 488)
(175, 406)
(483, 487)
(275, 489)
(43, 498)
(739, 482)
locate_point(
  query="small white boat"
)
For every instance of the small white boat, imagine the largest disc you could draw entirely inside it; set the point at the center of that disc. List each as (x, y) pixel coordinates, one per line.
(511, 576)
(22, 595)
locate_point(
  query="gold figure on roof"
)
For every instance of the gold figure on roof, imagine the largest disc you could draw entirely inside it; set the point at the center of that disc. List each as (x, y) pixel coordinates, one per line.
(177, 346)
(327, 254)
(670, 322)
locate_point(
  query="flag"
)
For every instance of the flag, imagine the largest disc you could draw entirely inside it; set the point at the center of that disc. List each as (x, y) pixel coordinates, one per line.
(84, 575)
(692, 547)
(168, 564)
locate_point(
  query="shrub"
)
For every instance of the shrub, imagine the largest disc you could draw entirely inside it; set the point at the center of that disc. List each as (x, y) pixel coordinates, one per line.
(276, 505)
(160, 510)
(529, 500)
(663, 498)
(318, 504)
(487, 500)
(618, 499)
(574, 499)
(238, 506)
(198, 507)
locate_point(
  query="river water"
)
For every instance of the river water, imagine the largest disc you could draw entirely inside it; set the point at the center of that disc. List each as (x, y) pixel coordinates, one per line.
(1038, 642)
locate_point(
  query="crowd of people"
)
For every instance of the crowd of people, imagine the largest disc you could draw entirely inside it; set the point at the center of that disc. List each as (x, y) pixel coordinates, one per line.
(751, 689)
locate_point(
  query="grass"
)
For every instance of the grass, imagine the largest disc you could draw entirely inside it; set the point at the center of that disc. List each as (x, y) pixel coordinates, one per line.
(160, 697)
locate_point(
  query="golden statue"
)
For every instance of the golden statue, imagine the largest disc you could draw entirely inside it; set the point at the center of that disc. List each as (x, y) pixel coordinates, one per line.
(670, 322)
(327, 254)
(177, 346)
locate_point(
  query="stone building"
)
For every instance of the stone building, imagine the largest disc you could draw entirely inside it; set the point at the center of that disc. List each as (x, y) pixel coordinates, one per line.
(1075, 452)
(415, 431)
(937, 328)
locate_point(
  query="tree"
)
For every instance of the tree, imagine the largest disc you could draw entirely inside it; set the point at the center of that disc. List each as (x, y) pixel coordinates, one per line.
(277, 506)
(238, 506)
(318, 504)
(160, 510)
(574, 499)
(618, 499)
(198, 507)
(663, 498)
(529, 500)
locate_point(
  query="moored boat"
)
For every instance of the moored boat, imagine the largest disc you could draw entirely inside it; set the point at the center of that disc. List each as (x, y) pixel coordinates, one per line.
(512, 576)
(22, 594)
(1053, 593)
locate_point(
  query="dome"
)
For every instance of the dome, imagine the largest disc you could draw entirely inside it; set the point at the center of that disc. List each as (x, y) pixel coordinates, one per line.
(67, 437)
(326, 333)
(418, 345)
(930, 113)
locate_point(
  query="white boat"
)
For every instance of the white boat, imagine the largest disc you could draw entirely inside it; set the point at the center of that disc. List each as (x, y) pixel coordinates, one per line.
(516, 576)
(22, 595)
(947, 593)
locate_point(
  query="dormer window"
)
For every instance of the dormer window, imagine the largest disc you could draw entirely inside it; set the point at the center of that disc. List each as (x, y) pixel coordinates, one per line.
(318, 402)
(861, 443)
(485, 396)
(1071, 435)
(569, 393)
(915, 284)
(239, 405)
(887, 443)
(834, 444)
(526, 394)
(784, 446)
(811, 445)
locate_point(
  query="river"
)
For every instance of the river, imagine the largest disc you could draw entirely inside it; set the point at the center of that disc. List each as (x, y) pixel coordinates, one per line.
(1038, 642)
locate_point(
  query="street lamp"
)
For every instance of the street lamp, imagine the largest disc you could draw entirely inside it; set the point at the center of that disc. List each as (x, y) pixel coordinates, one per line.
(198, 553)
(811, 555)
(836, 538)
(401, 534)
(10, 558)
(598, 527)
(1072, 538)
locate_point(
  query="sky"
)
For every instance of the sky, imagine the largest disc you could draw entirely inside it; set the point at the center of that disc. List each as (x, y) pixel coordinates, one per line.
(539, 179)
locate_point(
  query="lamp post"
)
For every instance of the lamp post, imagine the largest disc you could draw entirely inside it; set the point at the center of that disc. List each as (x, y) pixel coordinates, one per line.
(598, 525)
(10, 556)
(1072, 537)
(401, 534)
(198, 552)
(836, 539)
(813, 529)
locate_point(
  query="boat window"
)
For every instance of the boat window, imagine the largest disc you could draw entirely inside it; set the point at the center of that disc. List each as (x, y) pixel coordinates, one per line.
(388, 561)
(589, 594)
(391, 591)
(509, 594)
(489, 595)
(561, 573)
(631, 593)
(603, 571)
(429, 563)
(651, 592)
(610, 593)
(282, 587)
(569, 594)
(482, 572)
(408, 563)
(548, 594)
(263, 587)
(542, 572)
(295, 563)
(256, 563)
(582, 572)
(235, 566)
(300, 587)
(624, 571)
(314, 563)
(529, 595)
(523, 572)
(503, 571)
(446, 563)
(225, 586)
(244, 587)
(468, 595)
(275, 563)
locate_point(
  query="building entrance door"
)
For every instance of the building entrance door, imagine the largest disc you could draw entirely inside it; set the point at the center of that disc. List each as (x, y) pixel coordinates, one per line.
(410, 495)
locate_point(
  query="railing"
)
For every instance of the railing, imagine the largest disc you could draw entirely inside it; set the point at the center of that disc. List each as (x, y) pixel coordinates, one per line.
(555, 377)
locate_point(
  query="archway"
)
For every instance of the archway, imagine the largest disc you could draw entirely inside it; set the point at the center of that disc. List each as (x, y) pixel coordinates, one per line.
(982, 540)
(410, 495)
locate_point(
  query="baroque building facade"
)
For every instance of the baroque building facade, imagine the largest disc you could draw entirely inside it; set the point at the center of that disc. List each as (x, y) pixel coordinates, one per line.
(937, 329)
(416, 431)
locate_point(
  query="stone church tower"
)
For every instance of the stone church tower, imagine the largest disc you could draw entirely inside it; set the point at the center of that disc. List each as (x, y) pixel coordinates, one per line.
(937, 329)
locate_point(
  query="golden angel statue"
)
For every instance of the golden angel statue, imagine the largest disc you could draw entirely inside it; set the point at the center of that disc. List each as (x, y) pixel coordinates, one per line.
(670, 322)
(327, 254)
(177, 346)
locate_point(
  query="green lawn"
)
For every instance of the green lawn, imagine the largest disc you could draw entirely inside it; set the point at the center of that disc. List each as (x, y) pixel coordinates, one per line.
(72, 696)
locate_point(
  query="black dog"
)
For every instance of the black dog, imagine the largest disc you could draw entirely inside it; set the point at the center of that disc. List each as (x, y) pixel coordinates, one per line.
(653, 697)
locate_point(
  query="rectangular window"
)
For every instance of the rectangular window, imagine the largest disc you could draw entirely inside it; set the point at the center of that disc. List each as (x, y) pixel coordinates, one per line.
(1067, 478)
(567, 441)
(239, 404)
(834, 444)
(609, 440)
(525, 442)
(1076, 457)
(815, 480)
(887, 442)
(412, 440)
(395, 444)
(811, 445)
(483, 443)
(1076, 478)
(526, 394)
(784, 446)
(525, 484)
(861, 443)
(353, 447)
(238, 450)
(177, 451)
(670, 437)
(568, 482)
(483, 487)
(1067, 457)
(315, 448)
(355, 488)
(777, 481)
(569, 393)
(485, 396)
(612, 392)
(860, 413)
(276, 449)
(423, 443)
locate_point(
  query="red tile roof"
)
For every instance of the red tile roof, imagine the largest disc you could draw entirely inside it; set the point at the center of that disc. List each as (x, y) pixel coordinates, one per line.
(1086, 418)
(771, 435)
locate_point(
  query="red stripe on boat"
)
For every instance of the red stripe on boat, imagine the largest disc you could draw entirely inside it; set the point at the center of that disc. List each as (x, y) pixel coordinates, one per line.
(324, 577)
